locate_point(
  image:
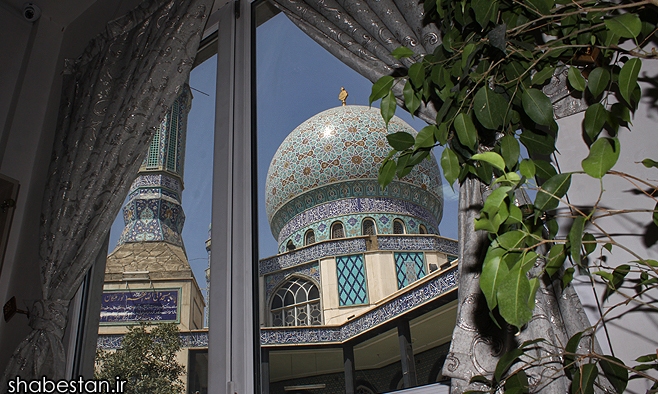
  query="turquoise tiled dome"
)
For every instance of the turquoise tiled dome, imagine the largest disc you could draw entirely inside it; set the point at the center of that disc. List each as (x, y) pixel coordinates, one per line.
(336, 154)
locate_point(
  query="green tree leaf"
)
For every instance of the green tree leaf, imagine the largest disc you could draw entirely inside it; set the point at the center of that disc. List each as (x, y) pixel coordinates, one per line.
(527, 168)
(425, 137)
(543, 6)
(595, 117)
(493, 203)
(490, 108)
(492, 158)
(603, 155)
(388, 106)
(381, 88)
(538, 106)
(417, 74)
(615, 373)
(556, 257)
(628, 78)
(648, 163)
(494, 270)
(511, 239)
(576, 238)
(386, 173)
(567, 277)
(402, 52)
(510, 150)
(450, 165)
(466, 132)
(576, 79)
(625, 25)
(539, 143)
(441, 133)
(505, 362)
(583, 379)
(513, 297)
(589, 243)
(544, 169)
(400, 140)
(543, 75)
(550, 192)
(598, 81)
(517, 383)
(484, 10)
(411, 99)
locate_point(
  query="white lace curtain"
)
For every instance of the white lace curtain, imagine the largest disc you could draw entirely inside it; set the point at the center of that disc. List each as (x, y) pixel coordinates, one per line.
(114, 96)
(362, 34)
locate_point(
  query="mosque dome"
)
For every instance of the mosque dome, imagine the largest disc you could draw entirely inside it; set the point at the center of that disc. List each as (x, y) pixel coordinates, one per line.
(328, 166)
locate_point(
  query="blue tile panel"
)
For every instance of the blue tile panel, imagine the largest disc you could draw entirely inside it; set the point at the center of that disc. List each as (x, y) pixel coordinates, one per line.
(352, 227)
(311, 253)
(409, 266)
(365, 189)
(188, 340)
(351, 212)
(418, 243)
(417, 296)
(351, 280)
(273, 281)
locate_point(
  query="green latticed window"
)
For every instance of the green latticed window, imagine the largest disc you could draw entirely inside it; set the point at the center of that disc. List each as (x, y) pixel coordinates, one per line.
(172, 144)
(154, 149)
(409, 266)
(351, 280)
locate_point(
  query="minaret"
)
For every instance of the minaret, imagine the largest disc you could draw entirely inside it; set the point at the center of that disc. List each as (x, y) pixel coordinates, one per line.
(153, 212)
(150, 257)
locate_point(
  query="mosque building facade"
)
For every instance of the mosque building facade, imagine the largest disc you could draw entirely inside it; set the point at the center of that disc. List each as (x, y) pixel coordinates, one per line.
(361, 296)
(363, 282)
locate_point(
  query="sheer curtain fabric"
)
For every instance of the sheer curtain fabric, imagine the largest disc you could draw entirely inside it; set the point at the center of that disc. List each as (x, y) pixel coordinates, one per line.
(114, 96)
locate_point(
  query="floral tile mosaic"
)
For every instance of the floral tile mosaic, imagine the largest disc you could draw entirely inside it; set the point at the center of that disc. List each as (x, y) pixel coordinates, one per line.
(311, 253)
(399, 191)
(353, 227)
(430, 242)
(340, 145)
(372, 206)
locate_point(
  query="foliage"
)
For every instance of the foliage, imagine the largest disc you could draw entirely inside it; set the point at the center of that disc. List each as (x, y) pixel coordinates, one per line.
(485, 82)
(146, 360)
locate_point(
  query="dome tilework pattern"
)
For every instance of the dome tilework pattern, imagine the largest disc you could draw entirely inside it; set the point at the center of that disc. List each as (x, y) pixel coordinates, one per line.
(341, 145)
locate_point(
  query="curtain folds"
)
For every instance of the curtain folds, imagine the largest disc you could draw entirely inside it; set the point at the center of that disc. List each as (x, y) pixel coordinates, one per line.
(114, 97)
(362, 34)
(477, 343)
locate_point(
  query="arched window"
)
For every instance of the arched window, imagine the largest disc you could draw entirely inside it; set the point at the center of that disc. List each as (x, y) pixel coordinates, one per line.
(337, 230)
(296, 303)
(309, 237)
(422, 229)
(398, 227)
(368, 227)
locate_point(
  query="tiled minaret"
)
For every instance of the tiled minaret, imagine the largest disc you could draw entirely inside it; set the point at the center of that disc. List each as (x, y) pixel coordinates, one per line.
(149, 267)
(153, 212)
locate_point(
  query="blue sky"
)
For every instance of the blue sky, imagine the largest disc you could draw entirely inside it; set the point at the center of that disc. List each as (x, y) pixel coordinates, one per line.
(296, 79)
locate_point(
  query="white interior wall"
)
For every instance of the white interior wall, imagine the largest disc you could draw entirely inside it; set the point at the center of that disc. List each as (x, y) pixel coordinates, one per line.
(32, 95)
(637, 332)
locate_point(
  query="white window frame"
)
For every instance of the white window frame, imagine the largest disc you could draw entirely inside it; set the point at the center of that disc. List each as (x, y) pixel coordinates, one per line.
(232, 339)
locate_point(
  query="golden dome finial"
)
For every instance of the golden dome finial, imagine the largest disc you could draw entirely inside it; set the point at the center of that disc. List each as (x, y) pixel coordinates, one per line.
(342, 96)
